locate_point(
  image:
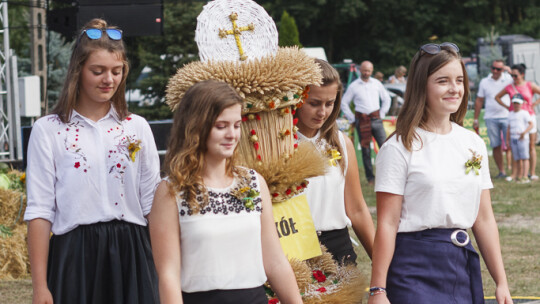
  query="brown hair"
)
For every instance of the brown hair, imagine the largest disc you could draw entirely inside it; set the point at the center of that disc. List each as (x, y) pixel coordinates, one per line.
(193, 120)
(329, 130)
(414, 112)
(82, 49)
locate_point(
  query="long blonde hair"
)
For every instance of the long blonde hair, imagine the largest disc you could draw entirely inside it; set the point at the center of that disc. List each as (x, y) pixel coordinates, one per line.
(414, 112)
(82, 49)
(193, 120)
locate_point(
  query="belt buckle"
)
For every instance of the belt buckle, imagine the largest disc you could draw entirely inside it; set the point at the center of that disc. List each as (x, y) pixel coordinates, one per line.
(456, 242)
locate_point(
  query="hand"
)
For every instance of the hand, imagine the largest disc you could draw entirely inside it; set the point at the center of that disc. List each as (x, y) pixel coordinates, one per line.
(502, 294)
(475, 124)
(378, 299)
(521, 136)
(42, 296)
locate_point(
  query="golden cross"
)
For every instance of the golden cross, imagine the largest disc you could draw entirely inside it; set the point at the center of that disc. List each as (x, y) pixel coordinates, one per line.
(236, 31)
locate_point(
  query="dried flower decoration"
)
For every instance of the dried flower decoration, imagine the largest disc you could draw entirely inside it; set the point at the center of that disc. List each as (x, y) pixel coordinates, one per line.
(334, 156)
(475, 163)
(133, 148)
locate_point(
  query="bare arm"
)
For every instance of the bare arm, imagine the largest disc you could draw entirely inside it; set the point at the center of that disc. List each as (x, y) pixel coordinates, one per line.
(477, 108)
(355, 205)
(165, 237)
(499, 100)
(388, 214)
(39, 231)
(277, 267)
(487, 236)
(536, 89)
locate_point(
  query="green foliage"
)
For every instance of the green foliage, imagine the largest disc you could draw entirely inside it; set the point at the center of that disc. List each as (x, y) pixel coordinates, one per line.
(159, 111)
(288, 32)
(165, 54)
(59, 54)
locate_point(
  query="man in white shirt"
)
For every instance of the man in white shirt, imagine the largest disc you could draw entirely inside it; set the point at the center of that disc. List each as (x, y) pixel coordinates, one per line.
(371, 103)
(495, 115)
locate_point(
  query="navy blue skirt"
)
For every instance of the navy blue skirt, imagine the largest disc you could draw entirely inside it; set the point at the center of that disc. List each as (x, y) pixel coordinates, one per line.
(255, 295)
(338, 243)
(428, 268)
(100, 263)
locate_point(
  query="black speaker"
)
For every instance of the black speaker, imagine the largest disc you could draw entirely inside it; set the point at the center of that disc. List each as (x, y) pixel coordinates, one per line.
(134, 20)
(117, 2)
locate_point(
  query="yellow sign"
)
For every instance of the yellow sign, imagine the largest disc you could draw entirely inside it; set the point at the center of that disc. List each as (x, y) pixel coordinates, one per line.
(295, 228)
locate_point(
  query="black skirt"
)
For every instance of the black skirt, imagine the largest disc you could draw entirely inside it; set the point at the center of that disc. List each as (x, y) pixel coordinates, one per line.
(255, 295)
(107, 262)
(338, 242)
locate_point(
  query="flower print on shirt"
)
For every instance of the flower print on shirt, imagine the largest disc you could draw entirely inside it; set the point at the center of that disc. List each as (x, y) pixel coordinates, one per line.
(120, 156)
(71, 142)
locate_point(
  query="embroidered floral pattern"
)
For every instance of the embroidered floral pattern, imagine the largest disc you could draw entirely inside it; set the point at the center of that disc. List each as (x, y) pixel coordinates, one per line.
(71, 135)
(225, 202)
(124, 151)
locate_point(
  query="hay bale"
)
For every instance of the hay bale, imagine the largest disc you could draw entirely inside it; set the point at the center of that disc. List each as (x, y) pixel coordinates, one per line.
(14, 261)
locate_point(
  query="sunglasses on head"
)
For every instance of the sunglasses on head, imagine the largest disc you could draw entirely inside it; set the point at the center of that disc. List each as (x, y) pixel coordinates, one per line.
(496, 69)
(96, 33)
(433, 49)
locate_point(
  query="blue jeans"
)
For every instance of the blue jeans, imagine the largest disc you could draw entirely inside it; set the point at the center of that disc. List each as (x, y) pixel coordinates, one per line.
(377, 130)
(494, 127)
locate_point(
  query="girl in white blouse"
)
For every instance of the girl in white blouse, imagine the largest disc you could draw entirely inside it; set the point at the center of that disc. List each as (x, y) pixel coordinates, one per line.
(335, 199)
(92, 171)
(211, 225)
(433, 185)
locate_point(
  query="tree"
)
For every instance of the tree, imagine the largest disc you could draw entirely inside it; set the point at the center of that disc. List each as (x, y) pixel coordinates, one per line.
(288, 32)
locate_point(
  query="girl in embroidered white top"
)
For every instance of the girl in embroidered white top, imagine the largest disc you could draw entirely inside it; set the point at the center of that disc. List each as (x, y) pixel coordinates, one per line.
(211, 225)
(335, 199)
(91, 175)
(432, 185)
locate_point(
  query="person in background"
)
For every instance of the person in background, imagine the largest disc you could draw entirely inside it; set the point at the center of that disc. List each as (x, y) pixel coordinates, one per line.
(335, 199)
(211, 225)
(432, 186)
(371, 103)
(92, 171)
(399, 75)
(527, 90)
(495, 115)
(519, 125)
(379, 76)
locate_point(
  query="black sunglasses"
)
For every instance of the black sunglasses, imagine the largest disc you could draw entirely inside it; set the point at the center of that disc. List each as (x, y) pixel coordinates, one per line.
(514, 75)
(433, 49)
(496, 69)
(96, 33)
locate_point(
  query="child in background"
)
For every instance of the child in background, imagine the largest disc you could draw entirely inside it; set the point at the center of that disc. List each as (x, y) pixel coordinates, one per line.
(519, 125)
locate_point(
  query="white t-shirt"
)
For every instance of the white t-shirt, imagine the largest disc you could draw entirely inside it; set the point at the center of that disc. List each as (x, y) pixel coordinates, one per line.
(221, 246)
(436, 191)
(326, 194)
(82, 172)
(488, 89)
(518, 123)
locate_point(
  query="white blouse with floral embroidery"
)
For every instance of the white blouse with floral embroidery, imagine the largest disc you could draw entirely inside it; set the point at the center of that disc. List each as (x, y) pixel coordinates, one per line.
(84, 172)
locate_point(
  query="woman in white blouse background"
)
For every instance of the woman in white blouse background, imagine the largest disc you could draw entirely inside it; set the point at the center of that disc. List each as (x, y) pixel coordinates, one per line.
(432, 185)
(211, 225)
(91, 175)
(335, 199)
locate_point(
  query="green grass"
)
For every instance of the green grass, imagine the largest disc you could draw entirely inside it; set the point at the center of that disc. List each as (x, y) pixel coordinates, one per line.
(517, 210)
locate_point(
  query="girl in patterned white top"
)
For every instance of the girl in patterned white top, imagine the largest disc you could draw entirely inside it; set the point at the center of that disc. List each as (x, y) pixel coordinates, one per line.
(226, 244)
(92, 171)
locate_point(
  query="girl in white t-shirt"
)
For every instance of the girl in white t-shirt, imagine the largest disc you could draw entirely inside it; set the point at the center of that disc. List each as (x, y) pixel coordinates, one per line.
(335, 199)
(211, 225)
(92, 171)
(432, 185)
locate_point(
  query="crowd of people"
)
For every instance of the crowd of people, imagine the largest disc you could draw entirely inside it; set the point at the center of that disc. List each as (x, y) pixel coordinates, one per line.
(122, 234)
